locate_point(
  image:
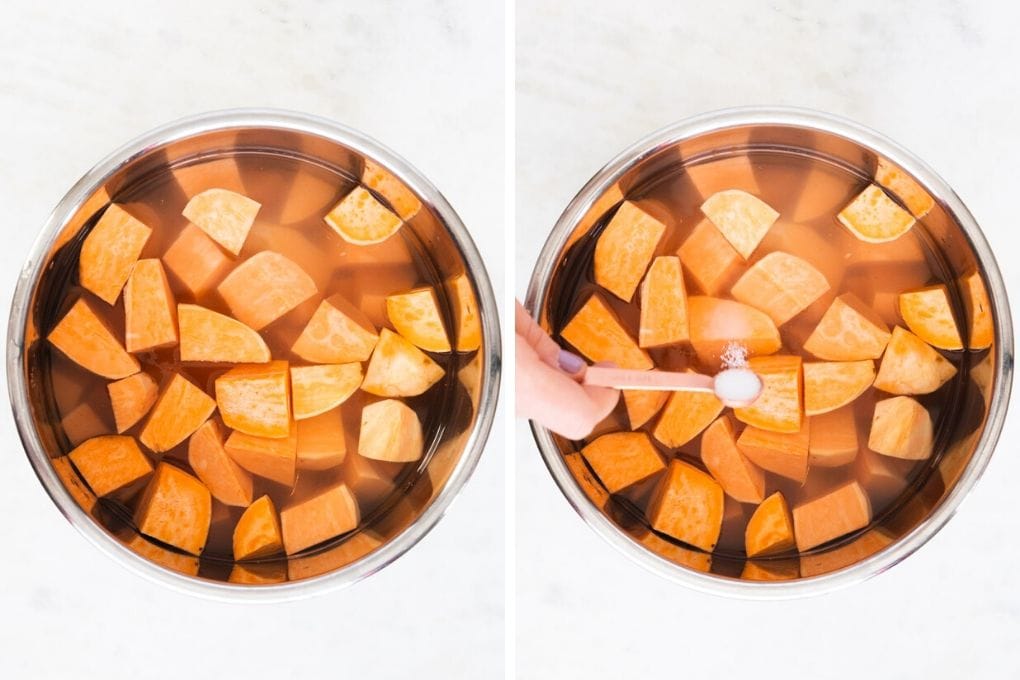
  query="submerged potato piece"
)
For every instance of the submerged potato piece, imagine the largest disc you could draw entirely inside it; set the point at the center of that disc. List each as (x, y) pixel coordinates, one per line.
(771, 570)
(837, 513)
(663, 305)
(716, 324)
(257, 533)
(213, 337)
(180, 410)
(110, 251)
(390, 431)
(709, 258)
(785, 454)
(259, 573)
(321, 443)
(918, 201)
(770, 529)
(874, 217)
(131, 398)
(849, 331)
(265, 287)
(688, 505)
(317, 389)
(883, 477)
(110, 463)
(331, 513)
(83, 422)
(176, 509)
(833, 438)
(596, 332)
(621, 459)
(384, 183)
(150, 313)
(642, 405)
(828, 385)
(901, 428)
(196, 260)
(624, 249)
(466, 320)
(911, 366)
(781, 285)
(415, 315)
(255, 399)
(227, 481)
(929, 316)
(735, 172)
(979, 312)
(778, 408)
(742, 218)
(741, 479)
(362, 220)
(273, 459)
(77, 489)
(686, 414)
(337, 333)
(399, 369)
(87, 341)
(224, 215)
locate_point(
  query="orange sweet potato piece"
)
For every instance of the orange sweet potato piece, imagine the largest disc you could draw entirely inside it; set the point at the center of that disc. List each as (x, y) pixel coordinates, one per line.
(83, 422)
(735, 172)
(828, 385)
(150, 313)
(688, 505)
(918, 201)
(415, 315)
(87, 341)
(589, 484)
(837, 513)
(624, 249)
(716, 323)
(81, 494)
(131, 398)
(337, 333)
(686, 414)
(779, 407)
(781, 285)
(785, 454)
(258, 533)
(642, 405)
(823, 194)
(663, 305)
(164, 557)
(399, 369)
(849, 331)
(109, 252)
(331, 513)
(321, 442)
(317, 389)
(384, 183)
(265, 287)
(213, 337)
(621, 459)
(771, 570)
(911, 366)
(372, 482)
(874, 217)
(979, 311)
(852, 552)
(176, 509)
(742, 218)
(227, 481)
(901, 428)
(207, 174)
(255, 399)
(179, 411)
(596, 332)
(259, 573)
(883, 477)
(196, 261)
(741, 479)
(274, 459)
(709, 258)
(390, 431)
(833, 438)
(224, 215)
(929, 316)
(360, 219)
(111, 463)
(466, 321)
(770, 529)
(310, 195)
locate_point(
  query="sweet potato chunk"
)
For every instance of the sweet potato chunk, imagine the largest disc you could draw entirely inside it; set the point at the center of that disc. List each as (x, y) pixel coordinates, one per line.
(81, 494)
(685, 416)
(390, 431)
(164, 557)
(770, 529)
(310, 195)
(176, 509)
(258, 533)
(255, 399)
(259, 573)
(596, 332)
(716, 323)
(265, 287)
(337, 333)
(415, 315)
(317, 389)
(110, 464)
(467, 322)
(331, 513)
(781, 285)
(206, 174)
(709, 258)
(321, 443)
(883, 477)
(770, 570)
(688, 505)
(362, 220)
(399, 369)
(849, 331)
(196, 260)
(835, 514)
(83, 422)
(274, 459)
(384, 183)
(110, 251)
(918, 201)
(131, 398)
(785, 454)
(624, 249)
(663, 305)
(150, 314)
(829, 385)
(589, 484)
(87, 341)
(832, 559)
(735, 172)
(642, 405)
(741, 479)
(911, 366)
(621, 459)
(742, 218)
(823, 194)
(833, 438)
(179, 411)
(979, 311)
(224, 215)
(227, 481)
(210, 336)
(929, 316)
(874, 217)
(778, 408)
(901, 428)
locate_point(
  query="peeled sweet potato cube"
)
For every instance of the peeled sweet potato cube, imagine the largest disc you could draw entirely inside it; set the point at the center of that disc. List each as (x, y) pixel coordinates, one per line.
(227, 481)
(176, 509)
(686, 414)
(624, 249)
(833, 437)
(331, 513)
(196, 261)
(310, 195)
(362, 220)
(979, 311)
(770, 529)
(150, 313)
(258, 533)
(779, 407)
(688, 505)
(467, 322)
(317, 389)
(901, 428)
(781, 285)
(81, 494)
(321, 442)
(874, 217)
(111, 463)
(770, 570)
(849, 331)
(87, 341)
(371, 481)
(716, 324)
(818, 247)
(709, 258)
(273, 459)
(83, 422)
(258, 573)
(823, 194)
(828, 385)
(337, 333)
(596, 332)
(852, 552)
(224, 215)
(929, 316)
(883, 477)
(785, 454)
(837, 513)
(741, 479)
(164, 557)
(221, 172)
(255, 399)
(735, 172)
(918, 201)
(911, 366)
(742, 218)
(265, 287)
(415, 315)
(384, 183)
(663, 305)
(621, 459)
(642, 405)
(131, 398)
(390, 431)
(210, 336)
(180, 410)
(110, 251)
(399, 369)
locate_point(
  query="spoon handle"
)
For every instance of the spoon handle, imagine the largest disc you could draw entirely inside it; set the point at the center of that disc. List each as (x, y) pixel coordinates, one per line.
(624, 379)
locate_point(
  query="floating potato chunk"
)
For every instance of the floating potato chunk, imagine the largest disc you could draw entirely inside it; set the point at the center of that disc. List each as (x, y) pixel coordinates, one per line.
(837, 513)
(81, 494)
(213, 337)
(131, 398)
(833, 438)
(196, 261)
(362, 220)
(382, 181)
(717, 324)
(736, 172)
(110, 464)
(770, 570)
(399, 369)
(87, 341)
(255, 399)
(642, 405)
(321, 441)
(828, 385)
(596, 332)
(83, 422)
(901, 428)
(918, 201)
(224, 215)
(110, 251)
(663, 305)
(979, 312)
(742, 218)
(911, 366)
(709, 258)
(624, 249)
(686, 414)
(741, 479)
(929, 316)
(778, 408)
(179, 411)
(770, 529)
(467, 323)
(785, 454)
(258, 533)
(150, 313)
(337, 333)
(688, 505)
(317, 389)
(874, 217)
(849, 331)
(176, 509)
(781, 285)
(331, 513)
(227, 481)
(621, 459)
(273, 459)
(390, 431)
(415, 315)
(265, 287)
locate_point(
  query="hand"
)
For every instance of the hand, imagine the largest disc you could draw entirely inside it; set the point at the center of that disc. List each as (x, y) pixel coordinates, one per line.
(548, 387)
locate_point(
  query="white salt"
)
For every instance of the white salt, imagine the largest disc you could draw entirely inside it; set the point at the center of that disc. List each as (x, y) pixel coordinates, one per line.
(734, 356)
(737, 386)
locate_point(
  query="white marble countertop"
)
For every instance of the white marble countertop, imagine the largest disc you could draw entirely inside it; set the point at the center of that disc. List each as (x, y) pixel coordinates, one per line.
(79, 79)
(940, 78)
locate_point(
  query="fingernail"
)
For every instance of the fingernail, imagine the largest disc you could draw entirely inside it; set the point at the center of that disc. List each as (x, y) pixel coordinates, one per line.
(570, 362)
